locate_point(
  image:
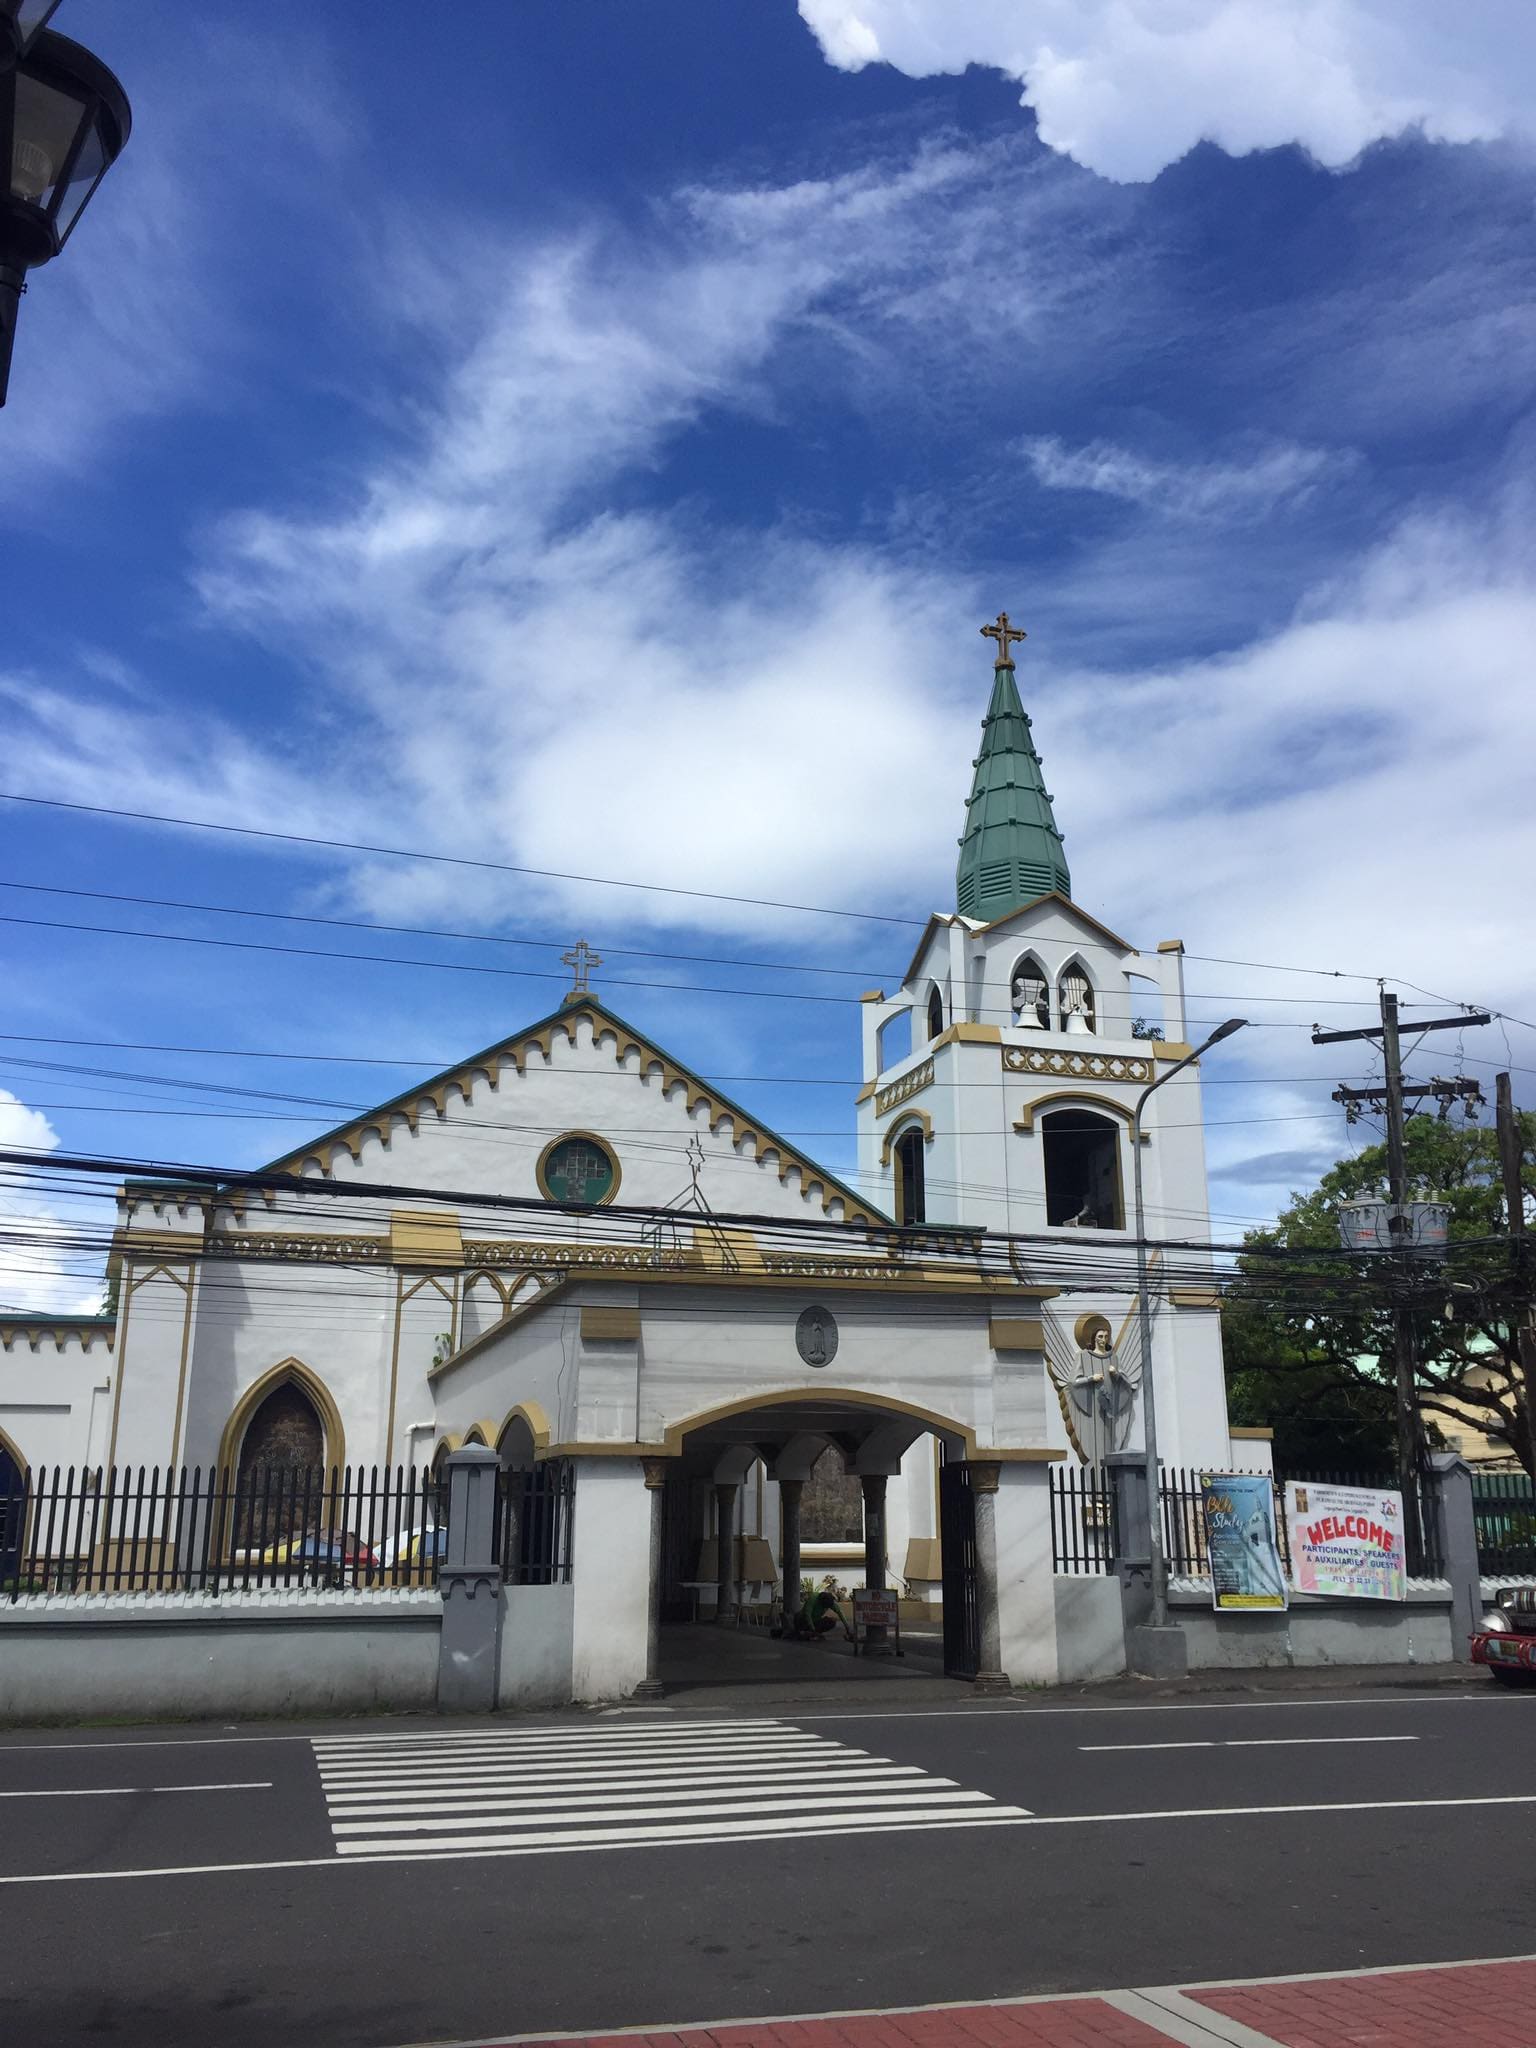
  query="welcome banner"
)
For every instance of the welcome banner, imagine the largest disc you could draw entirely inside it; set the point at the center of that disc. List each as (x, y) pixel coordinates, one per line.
(1346, 1541)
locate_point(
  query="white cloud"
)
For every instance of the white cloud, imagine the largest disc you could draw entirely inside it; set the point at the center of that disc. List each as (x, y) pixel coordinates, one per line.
(36, 1275)
(1128, 86)
(1272, 474)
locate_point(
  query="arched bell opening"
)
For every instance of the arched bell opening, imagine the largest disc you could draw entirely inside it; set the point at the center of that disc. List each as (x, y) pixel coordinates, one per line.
(1029, 994)
(1081, 1154)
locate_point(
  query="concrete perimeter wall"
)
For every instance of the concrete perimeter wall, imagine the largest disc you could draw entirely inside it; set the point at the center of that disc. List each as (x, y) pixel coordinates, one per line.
(1412, 1631)
(173, 1656)
(536, 1635)
(1090, 1629)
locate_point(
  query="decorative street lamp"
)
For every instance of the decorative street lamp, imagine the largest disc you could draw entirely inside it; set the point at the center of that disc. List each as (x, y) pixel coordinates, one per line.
(63, 121)
(20, 21)
(1159, 1556)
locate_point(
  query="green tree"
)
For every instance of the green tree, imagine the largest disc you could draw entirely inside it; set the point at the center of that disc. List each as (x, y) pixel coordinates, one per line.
(1311, 1338)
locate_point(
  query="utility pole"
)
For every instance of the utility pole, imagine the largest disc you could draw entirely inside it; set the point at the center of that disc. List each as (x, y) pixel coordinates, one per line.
(1391, 1098)
(1511, 1161)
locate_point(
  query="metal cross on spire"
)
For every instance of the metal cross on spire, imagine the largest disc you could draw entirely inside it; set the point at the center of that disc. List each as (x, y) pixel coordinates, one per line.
(1003, 634)
(581, 960)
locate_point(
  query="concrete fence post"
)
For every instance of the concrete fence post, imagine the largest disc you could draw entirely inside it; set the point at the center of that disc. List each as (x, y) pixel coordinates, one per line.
(1455, 1526)
(1126, 1473)
(469, 1580)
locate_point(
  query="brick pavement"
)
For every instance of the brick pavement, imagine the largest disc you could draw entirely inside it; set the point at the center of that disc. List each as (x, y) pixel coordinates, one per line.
(1448, 2006)
(1444, 2008)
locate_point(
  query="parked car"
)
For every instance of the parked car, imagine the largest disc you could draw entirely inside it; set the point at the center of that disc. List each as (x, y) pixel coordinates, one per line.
(317, 1556)
(415, 1546)
(1506, 1643)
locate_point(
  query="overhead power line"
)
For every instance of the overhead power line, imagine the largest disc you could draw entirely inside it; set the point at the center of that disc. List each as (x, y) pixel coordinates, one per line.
(597, 881)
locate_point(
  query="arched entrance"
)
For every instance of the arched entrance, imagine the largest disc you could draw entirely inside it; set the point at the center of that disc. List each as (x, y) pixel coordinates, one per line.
(766, 1501)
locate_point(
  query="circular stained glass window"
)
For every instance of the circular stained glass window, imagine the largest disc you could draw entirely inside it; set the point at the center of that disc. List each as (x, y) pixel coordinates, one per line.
(578, 1168)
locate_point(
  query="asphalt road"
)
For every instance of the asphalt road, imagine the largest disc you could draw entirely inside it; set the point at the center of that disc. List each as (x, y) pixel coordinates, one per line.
(367, 1884)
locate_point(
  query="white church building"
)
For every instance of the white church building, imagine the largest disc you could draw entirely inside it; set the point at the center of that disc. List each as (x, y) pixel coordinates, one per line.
(796, 1375)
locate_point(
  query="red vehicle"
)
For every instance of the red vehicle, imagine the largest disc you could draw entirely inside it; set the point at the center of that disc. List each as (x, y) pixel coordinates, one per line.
(1506, 1643)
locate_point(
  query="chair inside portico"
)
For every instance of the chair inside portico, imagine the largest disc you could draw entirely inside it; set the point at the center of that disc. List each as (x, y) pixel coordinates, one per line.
(787, 1490)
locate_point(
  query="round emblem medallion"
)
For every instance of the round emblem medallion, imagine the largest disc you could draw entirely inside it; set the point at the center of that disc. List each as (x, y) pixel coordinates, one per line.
(816, 1336)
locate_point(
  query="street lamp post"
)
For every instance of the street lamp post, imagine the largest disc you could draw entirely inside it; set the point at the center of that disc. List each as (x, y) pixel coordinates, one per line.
(1159, 1556)
(63, 122)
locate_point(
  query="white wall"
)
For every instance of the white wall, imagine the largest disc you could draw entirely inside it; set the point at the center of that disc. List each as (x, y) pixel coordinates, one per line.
(536, 1631)
(610, 1573)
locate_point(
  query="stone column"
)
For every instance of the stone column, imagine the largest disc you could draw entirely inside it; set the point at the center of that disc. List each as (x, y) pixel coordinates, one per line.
(725, 1552)
(990, 1676)
(790, 1491)
(1454, 1523)
(651, 1687)
(873, 1484)
(469, 1580)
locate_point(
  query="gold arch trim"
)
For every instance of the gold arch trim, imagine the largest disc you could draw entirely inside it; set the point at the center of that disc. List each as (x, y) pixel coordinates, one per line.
(673, 1437)
(912, 1119)
(1025, 1120)
(532, 1414)
(289, 1372)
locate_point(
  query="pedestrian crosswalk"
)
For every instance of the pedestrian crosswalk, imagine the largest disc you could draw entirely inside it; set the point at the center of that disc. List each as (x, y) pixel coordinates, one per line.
(531, 1791)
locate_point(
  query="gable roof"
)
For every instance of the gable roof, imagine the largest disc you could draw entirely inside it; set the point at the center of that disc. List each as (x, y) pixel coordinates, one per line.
(410, 1102)
(946, 918)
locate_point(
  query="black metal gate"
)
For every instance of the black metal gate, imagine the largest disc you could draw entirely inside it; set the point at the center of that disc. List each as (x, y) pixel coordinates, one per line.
(957, 1543)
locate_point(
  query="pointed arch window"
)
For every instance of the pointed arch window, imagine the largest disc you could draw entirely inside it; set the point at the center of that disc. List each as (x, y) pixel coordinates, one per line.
(280, 1481)
(1076, 1000)
(13, 1508)
(1081, 1151)
(1029, 995)
(935, 1012)
(911, 1203)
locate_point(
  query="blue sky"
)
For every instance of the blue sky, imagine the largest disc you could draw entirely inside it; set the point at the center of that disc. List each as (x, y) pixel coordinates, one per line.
(591, 441)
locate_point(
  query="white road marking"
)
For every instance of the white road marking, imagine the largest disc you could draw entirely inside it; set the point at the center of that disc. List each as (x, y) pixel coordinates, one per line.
(608, 1788)
(122, 1791)
(1244, 1742)
(1446, 1697)
(991, 1817)
(514, 1798)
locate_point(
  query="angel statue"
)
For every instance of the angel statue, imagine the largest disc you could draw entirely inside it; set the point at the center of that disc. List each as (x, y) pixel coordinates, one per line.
(1097, 1382)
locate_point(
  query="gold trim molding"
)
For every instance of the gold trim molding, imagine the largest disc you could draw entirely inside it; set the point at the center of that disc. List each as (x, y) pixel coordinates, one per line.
(905, 1087)
(1025, 1120)
(1076, 1066)
(723, 1116)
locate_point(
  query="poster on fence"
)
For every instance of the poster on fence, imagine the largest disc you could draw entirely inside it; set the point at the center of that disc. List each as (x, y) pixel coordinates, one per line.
(1346, 1541)
(1242, 1541)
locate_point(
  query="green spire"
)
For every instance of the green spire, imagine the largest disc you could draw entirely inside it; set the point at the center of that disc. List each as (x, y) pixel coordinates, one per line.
(1011, 850)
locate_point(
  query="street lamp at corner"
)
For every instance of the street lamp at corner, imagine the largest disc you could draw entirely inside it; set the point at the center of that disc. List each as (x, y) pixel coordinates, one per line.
(1159, 1556)
(63, 122)
(20, 22)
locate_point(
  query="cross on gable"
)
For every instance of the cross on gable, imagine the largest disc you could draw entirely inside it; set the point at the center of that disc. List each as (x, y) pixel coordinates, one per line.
(581, 960)
(1004, 635)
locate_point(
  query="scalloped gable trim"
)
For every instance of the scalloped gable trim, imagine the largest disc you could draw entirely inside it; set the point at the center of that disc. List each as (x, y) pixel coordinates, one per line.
(624, 1039)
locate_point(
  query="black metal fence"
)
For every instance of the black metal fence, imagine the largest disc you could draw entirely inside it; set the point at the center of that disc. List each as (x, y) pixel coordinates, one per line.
(534, 1511)
(69, 1529)
(1085, 1535)
(1184, 1520)
(1084, 1532)
(1504, 1507)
